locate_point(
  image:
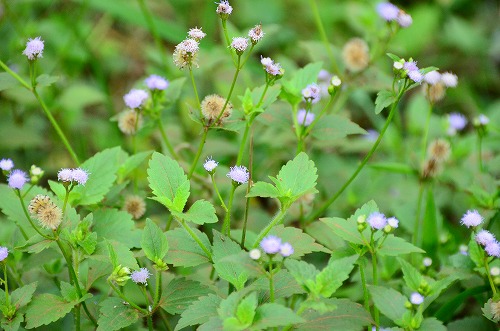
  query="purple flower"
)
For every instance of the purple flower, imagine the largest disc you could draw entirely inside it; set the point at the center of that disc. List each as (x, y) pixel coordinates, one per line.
(65, 175)
(457, 121)
(6, 164)
(256, 34)
(210, 164)
(404, 19)
(449, 79)
(432, 77)
(387, 11)
(286, 249)
(155, 82)
(140, 276)
(239, 44)
(493, 248)
(196, 34)
(224, 8)
(271, 68)
(410, 66)
(482, 119)
(393, 222)
(135, 98)
(416, 76)
(377, 220)
(239, 174)
(4, 252)
(484, 237)
(371, 135)
(304, 117)
(80, 176)
(271, 244)
(416, 298)
(471, 218)
(34, 48)
(312, 93)
(17, 179)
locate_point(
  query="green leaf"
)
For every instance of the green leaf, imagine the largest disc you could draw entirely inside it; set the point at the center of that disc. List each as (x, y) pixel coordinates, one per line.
(284, 286)
(131, 163)
(302, 242)
(201, 212)
(123, 254)
(349, 316)
(412, 277)
(393, 57)
(174, 90)
(432, 324)
(21, 296)
(344, 229)
(232, 271)
(273, 315)
(116, 225)
(302, 78)
(384, 99)
(334, 274)
(393, 167)
(115, 315)
(395, 246)
(46, 80)
(263, 190)
(69, 292)
(303, 272)
(35, 244)
(167, 180)
(88, 243)
(246, 101)
(199, 311)
(183, 250)
(45, 309)
(297, 177)
(154, 243)
(7, 81)
(13, 324)
(102, 169)
(332, 127)
(180, 293)
(390, 302)
(246, 309)
(476, 253)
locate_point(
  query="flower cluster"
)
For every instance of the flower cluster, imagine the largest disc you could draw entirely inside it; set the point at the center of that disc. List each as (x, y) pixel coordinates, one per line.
(378, 221)
(311, 93)
(272, 68)
(17, 178)
(272, 245)
(256, 34)
(34, 48)
(413, 71)
(48, 214)
(78, 175)
(239, 44)
(390, 12)
(186, 53)
(155, 82)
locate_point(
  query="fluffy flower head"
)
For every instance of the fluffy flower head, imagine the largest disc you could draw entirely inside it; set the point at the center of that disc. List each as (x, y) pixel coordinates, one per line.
(416, 298)
(286, 249)
(4, 252)
(427, 261)
(493, 249)
(449, 79)
(135, 98)
(439, 150)
(457, 121)
(239, 174)
(484, 237)
(224, 8)
(432, 77)
(239, 44)
(271, 68)
(312, 92)
(65, 175)
(271, 244)
(255, 34)
(212, 105)
(255, 254)
(356, 54)
(210, 164)
(416, 76)
(393, 222)
(387, 11)
(155, 82)
(6, 164)
(17, 179)
(140, 276)
(377, 220)
(304, 117)
(404, 20)
(471, 218)
(80, 176)
(129, 121)
(135, 206)
(196, 34)
(34, 48)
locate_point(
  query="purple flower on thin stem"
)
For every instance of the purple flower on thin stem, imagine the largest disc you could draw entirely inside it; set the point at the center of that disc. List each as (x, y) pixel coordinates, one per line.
(4, 252)
(449, 79)
(404, 19)
(239, 44)
(286, 249)
(135, 98)
(6, 164)
(34, 48)
(155, 82)
(140, 276)
(484, 237)
(410, 66)
(210, 164)
(471, 218)
(416, 76)
(304, 117)
(416, 298)
(239, 174)
(65, 175)
(387, 11)
(80, 176)
(493, 249)
(377, 220)
(457, 121)
(271, 244)
(17, 179)
(312, 93)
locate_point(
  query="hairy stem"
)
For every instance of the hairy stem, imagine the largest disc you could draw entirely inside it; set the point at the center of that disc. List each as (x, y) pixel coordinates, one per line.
(276, 220)
(226, 226)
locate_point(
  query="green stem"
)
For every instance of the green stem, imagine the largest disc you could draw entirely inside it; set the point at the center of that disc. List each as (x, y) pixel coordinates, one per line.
(169, 223)
(195, 92)
(271, 280)
(123, 297)
(154, 32)
(479, 151)
(322, 33)
(158, 290)
(29, 218)
(226, 226)
(319, 211)
(243, 143)
(196, 238)
(15, 75)
(198, 153)
(77, 317)
(228, 42)
(366, 296)
(218, 193)
(376, 314)
(150, 322)
(233, 83)
(322, 112)
(56, 127)
(6, 284)
(416, 228)
(426, 132)
(278, 218)
(166, 141)
(247, 203)
(487, 268)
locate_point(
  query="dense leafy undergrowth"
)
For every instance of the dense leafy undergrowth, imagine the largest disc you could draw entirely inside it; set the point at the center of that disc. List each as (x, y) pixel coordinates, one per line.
(289, 165)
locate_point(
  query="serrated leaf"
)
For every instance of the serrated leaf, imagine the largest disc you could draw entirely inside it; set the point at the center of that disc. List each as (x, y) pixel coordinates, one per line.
(393, 57)
(116, 225)
(183, 250)
(302, 242)
(35, 244)
(390, 302)
(68, 292)
(303, 272)
(412, 277)
(332, 127)
(297, 177)
(246, 101)
(88, 244)
(165, 176)
(284, 286)
(45, 309)
(7, 81)
(181, 197)
(21, 296)
(395, 246)
(263, 190)
(344, 229)
(334, 274)
(131, 163)
(13, 324)
(302, 78)
(349, 316)
(123, 254)
(233, 272)
(154, 243)
(273, 315)
(102, 169)
(245, 311)
(432, 324)
(384, 99)
(199, 311)
(180, 293)
(115, 315)
(200, 212)
(46, 80)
